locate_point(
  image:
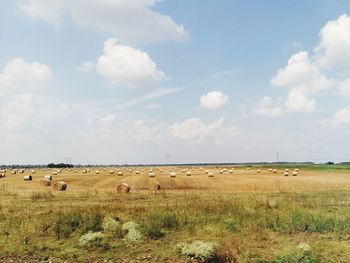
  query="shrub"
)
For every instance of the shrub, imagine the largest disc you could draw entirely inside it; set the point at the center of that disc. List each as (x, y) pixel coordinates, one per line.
(91, 239)
(202, 251)
(113, 226)
(132, 231)
(304, 257)
(153, 230)
(92, 222)
(66, 224)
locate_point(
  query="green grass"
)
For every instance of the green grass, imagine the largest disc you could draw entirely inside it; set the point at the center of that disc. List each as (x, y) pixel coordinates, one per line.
(247, 227)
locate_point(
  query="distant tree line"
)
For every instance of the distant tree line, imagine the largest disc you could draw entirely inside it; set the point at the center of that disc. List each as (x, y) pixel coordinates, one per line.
(59, 165)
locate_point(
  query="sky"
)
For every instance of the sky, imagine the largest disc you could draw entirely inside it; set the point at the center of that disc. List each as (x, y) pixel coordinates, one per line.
(174, 81)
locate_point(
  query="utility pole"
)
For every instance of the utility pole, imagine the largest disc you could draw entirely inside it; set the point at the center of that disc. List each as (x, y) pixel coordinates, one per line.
(277, 157)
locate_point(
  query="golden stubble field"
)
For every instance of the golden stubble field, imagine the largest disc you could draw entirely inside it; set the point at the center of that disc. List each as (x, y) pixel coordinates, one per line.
(230, 180)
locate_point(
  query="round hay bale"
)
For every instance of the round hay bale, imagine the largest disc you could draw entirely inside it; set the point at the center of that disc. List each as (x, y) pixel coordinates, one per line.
(59, 186)
(206, 171)
(54, 172)
(137, 172)
(172, 174)
(2, 175)
(27, 178)
(154, 186)
(286, 170)
(274, 171)
(88, 170)
(295, 173)
(123, 188)
(120, 173)
(188, 173)
(210, 174)
(33, 171)
(45, 182)
(151, 175)
(286, 173)
(221, 171)
(258, 171)
(21, 171)
(84, 171)
(296, 169)
(111, 172)
(13, 172)
(270, 170)
(48, 177)
(97, 172)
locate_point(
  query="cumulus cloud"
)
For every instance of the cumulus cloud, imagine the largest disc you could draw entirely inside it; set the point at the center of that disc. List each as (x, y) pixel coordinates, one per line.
(196, 131)
(21, 76)
(265, 108)
(126, 66)
(302, 75)
(214, 100)
(344, 88)
(130, 20)
(343, 116)
(298, 102)
(333, 50)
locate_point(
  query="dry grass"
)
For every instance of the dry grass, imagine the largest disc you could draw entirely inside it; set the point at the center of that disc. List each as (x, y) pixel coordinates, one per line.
(241, 180)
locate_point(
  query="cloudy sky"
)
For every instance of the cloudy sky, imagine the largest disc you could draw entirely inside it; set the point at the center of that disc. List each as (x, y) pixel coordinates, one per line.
(137, 81)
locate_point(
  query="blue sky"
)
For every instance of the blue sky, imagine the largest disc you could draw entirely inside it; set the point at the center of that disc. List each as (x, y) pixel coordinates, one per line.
(130, 81)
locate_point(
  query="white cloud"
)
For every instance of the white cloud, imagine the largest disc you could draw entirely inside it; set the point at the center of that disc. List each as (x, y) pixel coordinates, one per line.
(107, 119)
(16, 111)
(21, 76)
(343, 116)
(214, 100)
(125, 66)
(132, 21)
(344, 88)
(265, 108)
(49, 11)
(197, 131)
(153, 95)
(334, 48)
(302, 75)
(298, 102)
(86, 66)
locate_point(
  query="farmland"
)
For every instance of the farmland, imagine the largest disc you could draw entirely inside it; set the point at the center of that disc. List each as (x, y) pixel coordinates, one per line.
(246, 215)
